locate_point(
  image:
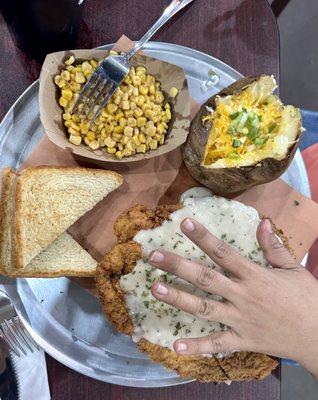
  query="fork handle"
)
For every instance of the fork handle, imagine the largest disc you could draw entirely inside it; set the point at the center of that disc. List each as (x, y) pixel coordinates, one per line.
(170, 11)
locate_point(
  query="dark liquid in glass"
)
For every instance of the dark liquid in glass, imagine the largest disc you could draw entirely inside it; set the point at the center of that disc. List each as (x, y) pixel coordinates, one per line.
(43, 26)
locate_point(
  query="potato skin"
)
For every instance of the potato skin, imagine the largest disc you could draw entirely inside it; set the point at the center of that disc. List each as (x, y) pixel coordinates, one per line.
(228, 182)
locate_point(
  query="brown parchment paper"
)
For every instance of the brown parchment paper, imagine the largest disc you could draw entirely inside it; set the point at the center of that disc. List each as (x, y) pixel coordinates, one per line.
(161, 180)
(168, 74)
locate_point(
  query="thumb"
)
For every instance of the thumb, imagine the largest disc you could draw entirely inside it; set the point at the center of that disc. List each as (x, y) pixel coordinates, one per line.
(274, 250)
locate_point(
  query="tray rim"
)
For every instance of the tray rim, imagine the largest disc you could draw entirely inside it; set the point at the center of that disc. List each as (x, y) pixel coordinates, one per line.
(53, 351)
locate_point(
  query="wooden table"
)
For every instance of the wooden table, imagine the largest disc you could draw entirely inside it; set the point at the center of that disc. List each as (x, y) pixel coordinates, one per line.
(242, 33)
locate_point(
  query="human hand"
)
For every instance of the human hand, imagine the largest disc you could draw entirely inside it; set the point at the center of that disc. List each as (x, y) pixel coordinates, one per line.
(268, 310)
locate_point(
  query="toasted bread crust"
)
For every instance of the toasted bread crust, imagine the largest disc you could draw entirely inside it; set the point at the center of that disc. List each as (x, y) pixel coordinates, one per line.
(121, 259)
(8, 175)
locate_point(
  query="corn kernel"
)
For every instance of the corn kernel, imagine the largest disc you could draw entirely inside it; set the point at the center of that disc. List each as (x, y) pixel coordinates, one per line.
(67, 94)
(74, 126)
(57, 79)
(73, 131)
(138, 112)
(141, 148)
(93, 63)
(63, 102)
(131, 122)
(124, 140)
(168, 113)
(143, 90)
(67, 123)
(76, 140)
(86, 141)
(141, 68)
(75, 118)
(136, 131)
(162, 140)
(61, 83)
(111, 150)
(140, 101)
(120, 146)
(111, 108)
(119, 155)
(113, 53)
(136, 80)
(109, 142)
(128, 131)
(126, 153)
(122, 122)
(79, 77)
(76, 87)
(129, 113)
(118, 129)
(90, 136)
(151, 130)
(152, 89)
(94, 144)
(136, 140)
(119, 115)
(70, 60)
(125, 105)
(86, 66)
(130, 145)
(141, 121)
(173, 92)
(149, 113)
(142, 138)
(65, 75)
(87, 73)
(67, 116)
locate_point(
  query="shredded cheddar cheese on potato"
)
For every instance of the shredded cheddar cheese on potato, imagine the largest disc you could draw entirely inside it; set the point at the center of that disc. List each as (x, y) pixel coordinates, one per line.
(248, 126)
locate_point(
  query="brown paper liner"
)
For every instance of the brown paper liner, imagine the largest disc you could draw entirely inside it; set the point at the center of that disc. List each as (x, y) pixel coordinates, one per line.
(161, 180)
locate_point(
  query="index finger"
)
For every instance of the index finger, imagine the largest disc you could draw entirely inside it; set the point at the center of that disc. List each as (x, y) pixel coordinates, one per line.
(219, 251)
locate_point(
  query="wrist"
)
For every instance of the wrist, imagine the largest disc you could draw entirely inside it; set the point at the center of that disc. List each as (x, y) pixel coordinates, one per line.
(310, 361)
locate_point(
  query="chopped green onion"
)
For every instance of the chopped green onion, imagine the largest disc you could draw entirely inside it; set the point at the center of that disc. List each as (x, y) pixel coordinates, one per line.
(236, 143)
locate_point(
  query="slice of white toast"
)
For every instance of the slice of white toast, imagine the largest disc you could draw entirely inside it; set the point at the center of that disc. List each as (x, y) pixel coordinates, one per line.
(48, 200)
(64, 257)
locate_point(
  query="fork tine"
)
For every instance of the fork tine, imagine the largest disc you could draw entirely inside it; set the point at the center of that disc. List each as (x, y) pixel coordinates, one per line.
(110, 93)
(20, 333)
(91, 99)
(101, 95)
(10, 339)
(9, 342)
(14, 337)
(25, 333)
(88, 85)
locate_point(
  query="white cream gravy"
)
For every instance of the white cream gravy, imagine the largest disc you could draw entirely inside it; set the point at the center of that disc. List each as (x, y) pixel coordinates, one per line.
(158, 322)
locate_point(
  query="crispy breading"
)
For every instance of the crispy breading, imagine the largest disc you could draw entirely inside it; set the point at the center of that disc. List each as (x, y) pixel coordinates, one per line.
(121, 259)
(140, 217)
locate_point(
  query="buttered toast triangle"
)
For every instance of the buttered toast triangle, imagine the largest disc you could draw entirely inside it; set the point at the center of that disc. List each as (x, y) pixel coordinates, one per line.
(64, 257)
(50, 199)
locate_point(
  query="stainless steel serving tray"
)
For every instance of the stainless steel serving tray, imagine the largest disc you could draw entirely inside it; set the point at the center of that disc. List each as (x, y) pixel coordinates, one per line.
(62, 317)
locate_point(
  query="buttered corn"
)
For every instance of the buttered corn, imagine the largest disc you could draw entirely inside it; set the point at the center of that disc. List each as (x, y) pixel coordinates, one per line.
(134, 121)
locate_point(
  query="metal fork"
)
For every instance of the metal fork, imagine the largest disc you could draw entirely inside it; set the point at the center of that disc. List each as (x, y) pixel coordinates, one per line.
(12, 330)
(107, 77)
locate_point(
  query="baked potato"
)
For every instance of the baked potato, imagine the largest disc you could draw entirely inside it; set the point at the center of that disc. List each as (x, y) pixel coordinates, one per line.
(242, 137)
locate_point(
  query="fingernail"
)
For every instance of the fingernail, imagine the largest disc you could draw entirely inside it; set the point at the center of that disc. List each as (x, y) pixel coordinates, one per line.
(268, 226)
(188, 225)
(161, 289)
(156, 256)
(181, 346)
